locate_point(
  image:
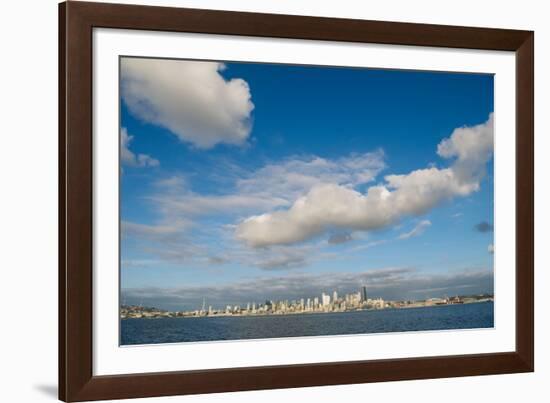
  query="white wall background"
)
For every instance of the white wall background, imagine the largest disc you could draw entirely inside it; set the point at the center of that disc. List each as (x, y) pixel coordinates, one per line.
(28, 199)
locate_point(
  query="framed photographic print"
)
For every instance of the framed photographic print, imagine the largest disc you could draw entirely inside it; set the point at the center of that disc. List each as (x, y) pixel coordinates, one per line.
(253, 201)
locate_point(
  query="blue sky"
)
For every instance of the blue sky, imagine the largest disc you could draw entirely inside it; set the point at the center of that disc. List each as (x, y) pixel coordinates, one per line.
(244, 182)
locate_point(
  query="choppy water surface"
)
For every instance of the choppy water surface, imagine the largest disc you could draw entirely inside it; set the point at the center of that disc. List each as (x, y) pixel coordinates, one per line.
(173, 330)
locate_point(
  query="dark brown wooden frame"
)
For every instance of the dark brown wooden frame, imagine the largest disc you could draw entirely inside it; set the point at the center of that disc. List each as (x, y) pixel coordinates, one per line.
(76, 22)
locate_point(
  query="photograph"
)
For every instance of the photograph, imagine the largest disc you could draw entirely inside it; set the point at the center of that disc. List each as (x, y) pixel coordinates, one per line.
(300, 201)
(261, 200)
(275, 201)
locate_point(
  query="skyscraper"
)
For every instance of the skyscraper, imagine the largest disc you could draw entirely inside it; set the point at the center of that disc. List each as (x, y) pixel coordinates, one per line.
(364, 293)
(325, 299)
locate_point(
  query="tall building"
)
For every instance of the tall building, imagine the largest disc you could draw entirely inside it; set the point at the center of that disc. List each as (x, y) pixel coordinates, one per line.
(363, 293)
(334, 296)
(325, 299)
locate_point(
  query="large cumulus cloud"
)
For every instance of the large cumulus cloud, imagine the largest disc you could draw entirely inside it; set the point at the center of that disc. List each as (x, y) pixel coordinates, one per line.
(330, 205)
(191, 99)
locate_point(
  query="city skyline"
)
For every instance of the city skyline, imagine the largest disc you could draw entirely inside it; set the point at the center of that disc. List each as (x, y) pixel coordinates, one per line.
(255, 179)
(334, 302)
(405, 289)
(306, 303)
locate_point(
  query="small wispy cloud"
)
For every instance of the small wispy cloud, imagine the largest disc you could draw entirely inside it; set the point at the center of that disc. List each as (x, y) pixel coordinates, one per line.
(129, 158)
(419, 229)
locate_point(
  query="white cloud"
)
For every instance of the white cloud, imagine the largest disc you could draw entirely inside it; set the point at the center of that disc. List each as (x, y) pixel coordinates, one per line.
(167, 241)
(270, 187)
(469, 143)
(280, 259)
(155, 232)
(127, 157)
(491, 248)
(368, 245)
(472, 147)
(417, 230)
(189, 98)
(188, 203)
(175, 182)
(328, 206)
(205, 216)
(296, 176)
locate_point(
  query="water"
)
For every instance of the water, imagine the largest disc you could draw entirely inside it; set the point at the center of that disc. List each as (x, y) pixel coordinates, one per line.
(173, 330)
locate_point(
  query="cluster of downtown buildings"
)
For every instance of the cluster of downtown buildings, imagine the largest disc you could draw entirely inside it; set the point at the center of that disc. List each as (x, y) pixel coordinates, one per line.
(325, 303)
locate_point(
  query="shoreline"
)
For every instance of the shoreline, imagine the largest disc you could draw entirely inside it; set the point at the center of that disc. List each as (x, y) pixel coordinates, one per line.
(170, 315)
